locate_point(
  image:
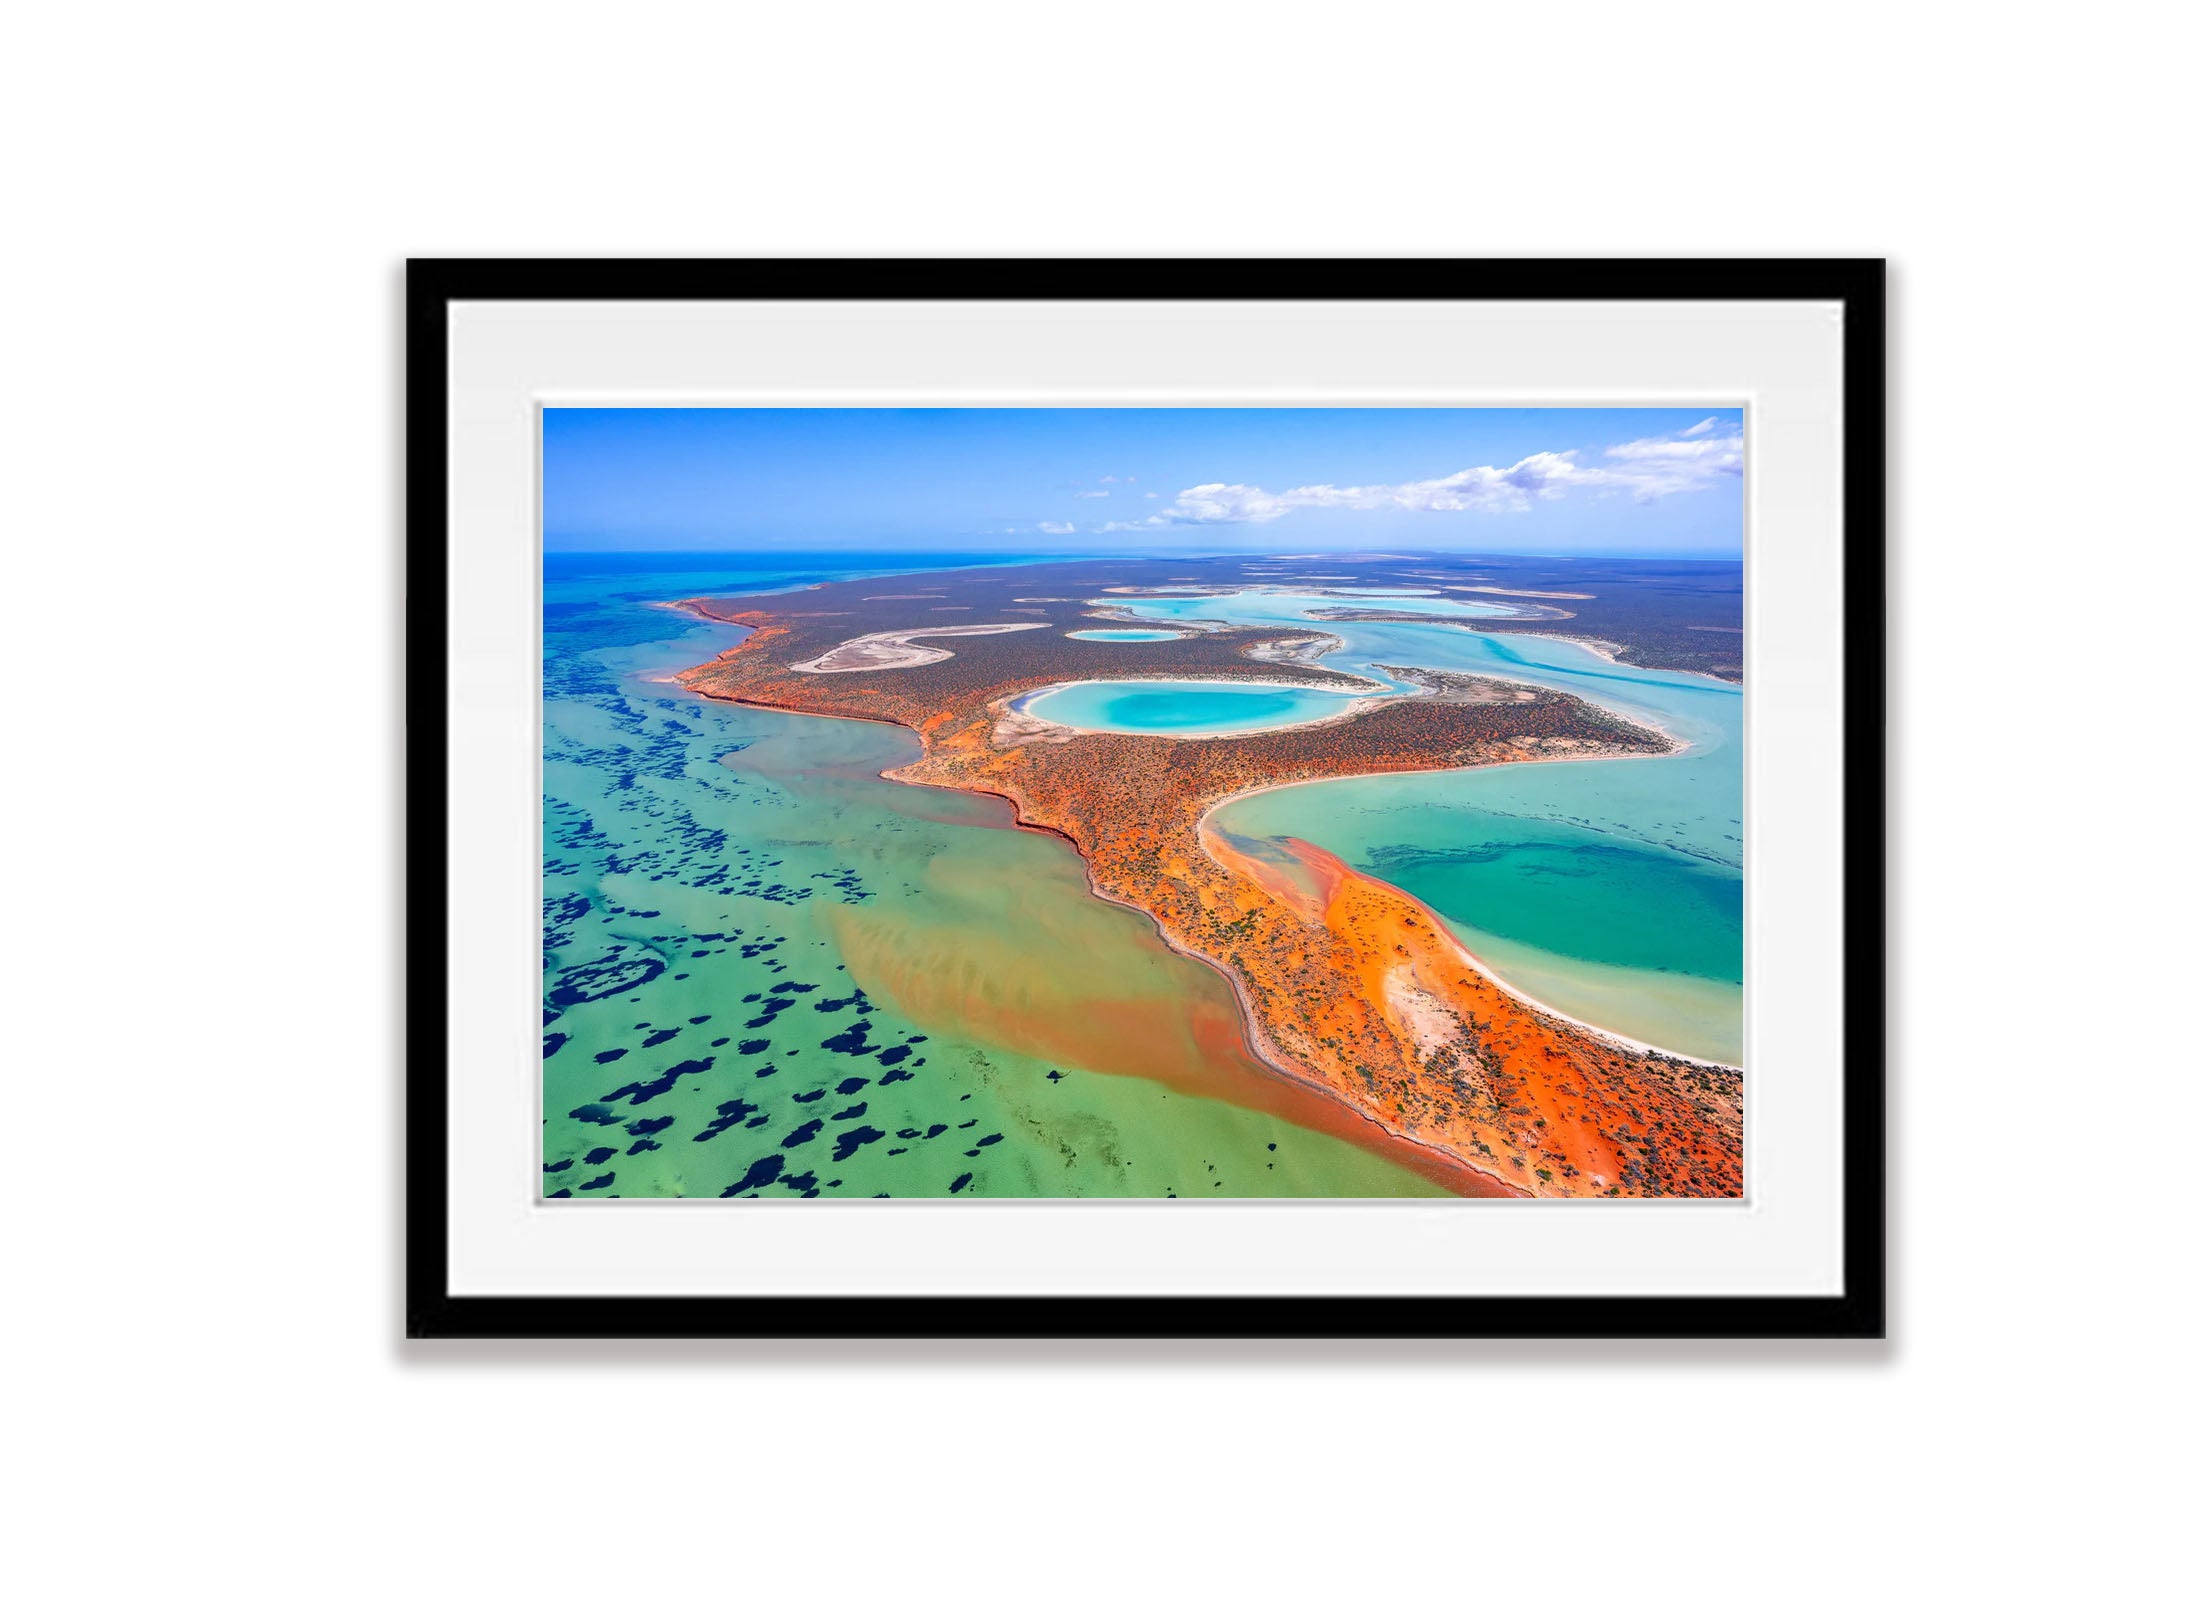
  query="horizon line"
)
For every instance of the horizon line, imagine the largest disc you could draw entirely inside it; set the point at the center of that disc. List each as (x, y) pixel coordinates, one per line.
(1159, 555)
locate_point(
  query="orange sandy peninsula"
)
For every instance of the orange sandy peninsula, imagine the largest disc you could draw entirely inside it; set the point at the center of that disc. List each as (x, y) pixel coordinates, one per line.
(1349, 987)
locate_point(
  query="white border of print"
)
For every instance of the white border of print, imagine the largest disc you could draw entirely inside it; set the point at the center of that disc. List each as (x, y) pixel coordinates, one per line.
(1780, 360)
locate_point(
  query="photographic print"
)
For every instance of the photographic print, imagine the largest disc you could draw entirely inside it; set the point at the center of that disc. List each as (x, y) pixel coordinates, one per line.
(1162, 803)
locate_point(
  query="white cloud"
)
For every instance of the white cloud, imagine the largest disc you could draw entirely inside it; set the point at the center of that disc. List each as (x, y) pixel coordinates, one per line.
(1654, 468)
(1057, 527)
(1648, 469)
(1092, 494)
(1700, 428)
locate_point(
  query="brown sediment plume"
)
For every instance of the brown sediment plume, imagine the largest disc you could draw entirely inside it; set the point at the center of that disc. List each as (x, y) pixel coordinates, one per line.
(1188, 1038)
(1348, 988)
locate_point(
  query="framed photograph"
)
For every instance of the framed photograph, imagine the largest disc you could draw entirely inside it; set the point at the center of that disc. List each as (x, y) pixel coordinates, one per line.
(1145, 798)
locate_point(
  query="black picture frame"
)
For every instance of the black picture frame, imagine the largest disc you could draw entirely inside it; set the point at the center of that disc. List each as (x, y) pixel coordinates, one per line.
(1859, 1311)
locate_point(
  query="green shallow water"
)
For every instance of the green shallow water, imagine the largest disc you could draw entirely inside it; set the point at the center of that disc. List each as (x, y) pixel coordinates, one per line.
(770, 971)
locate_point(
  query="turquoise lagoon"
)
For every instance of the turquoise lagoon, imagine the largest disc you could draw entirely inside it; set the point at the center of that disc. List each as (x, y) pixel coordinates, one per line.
(1609, 890)
(1182, 706)
(1125, 635)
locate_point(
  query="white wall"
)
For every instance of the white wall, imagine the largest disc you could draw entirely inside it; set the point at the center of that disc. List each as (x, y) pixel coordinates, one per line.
(208, 206)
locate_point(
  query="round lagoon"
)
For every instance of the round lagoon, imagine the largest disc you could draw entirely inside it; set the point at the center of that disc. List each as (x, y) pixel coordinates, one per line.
(1129, 635)
(1183, 708)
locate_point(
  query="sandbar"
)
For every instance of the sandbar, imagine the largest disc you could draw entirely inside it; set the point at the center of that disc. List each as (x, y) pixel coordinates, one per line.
(880, 652)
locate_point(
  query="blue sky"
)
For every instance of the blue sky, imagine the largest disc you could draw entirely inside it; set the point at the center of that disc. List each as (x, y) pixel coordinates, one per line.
(1572, 481)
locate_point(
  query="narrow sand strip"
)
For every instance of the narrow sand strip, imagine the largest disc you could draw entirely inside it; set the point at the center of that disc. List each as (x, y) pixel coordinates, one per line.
(1214, 842)
(880, 652)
